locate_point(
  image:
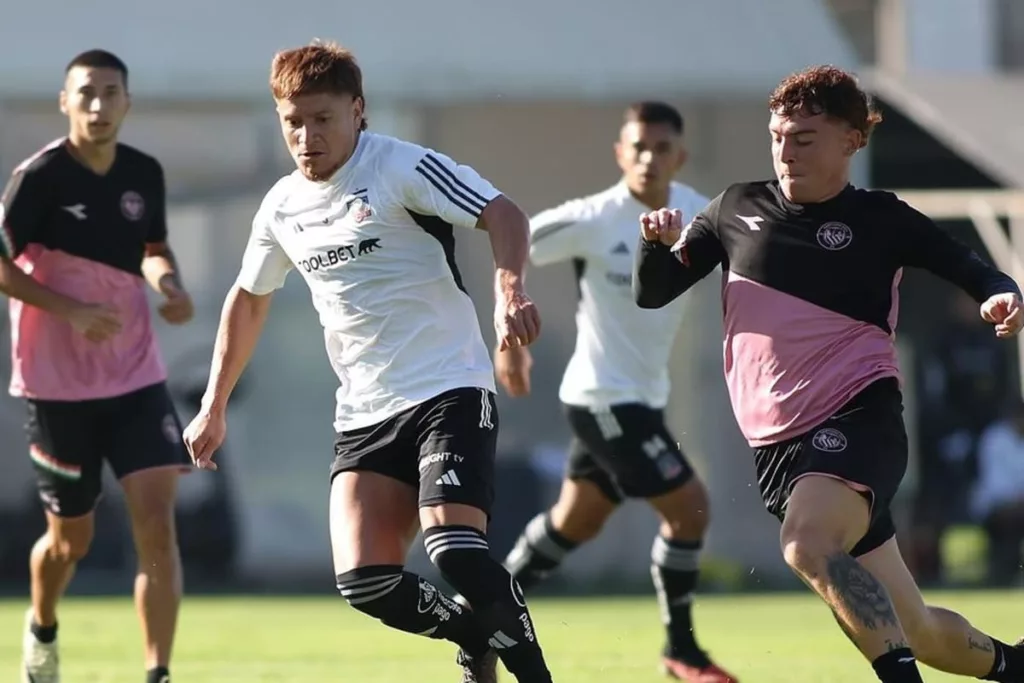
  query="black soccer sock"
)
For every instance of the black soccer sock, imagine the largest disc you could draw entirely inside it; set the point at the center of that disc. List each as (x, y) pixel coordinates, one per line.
(160, 674)
(463, 556)
(1008, 666)
(538, 552)
(897, 666)
(675, 567)
(410, 603)
(44, 634)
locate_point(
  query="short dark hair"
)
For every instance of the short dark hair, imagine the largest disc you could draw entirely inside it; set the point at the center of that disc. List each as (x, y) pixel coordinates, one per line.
(830, 91)
(653, 112)
(320, 67)
(99, 59)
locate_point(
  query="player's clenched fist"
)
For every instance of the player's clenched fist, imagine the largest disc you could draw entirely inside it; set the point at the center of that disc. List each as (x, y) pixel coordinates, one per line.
(663, 225)
(516, 320)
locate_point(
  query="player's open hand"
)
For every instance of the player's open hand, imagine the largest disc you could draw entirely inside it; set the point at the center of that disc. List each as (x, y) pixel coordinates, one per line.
(1005, 312)
(516, 319)
(96, 322)
(204, 435)
(663, 225)
(512, 368)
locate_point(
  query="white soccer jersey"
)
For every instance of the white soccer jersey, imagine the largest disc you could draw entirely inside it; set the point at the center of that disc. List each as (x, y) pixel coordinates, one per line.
(622, 350)
(375, 245)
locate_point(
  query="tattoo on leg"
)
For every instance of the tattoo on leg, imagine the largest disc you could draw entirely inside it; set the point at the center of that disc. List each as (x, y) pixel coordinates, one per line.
(983, 644)
(890, 645)
(863, 596)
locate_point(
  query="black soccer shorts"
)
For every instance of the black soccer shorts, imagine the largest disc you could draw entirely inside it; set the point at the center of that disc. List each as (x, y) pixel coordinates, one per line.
(626, 450)
(445, 447)
(864, 444)
(70, 440)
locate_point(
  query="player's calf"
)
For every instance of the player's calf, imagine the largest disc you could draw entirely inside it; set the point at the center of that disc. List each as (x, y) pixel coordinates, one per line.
(675, 566)
(538, 551)
(463, 556)
(578, 516)
(410, 603)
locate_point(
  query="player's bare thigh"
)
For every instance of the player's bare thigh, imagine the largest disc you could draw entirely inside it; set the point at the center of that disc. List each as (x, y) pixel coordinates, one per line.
(371, 518)
(453, 514)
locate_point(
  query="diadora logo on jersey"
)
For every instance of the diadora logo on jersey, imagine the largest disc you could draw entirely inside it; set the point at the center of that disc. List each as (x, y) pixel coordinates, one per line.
(340, 255)
(834, 235)
(358, 206)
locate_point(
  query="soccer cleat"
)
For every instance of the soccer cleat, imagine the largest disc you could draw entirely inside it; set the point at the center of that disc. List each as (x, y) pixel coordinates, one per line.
(675, 668)
(480, 669)
(39, 661)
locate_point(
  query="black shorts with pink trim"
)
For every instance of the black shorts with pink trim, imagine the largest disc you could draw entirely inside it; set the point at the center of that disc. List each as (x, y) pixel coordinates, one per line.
(864, 444)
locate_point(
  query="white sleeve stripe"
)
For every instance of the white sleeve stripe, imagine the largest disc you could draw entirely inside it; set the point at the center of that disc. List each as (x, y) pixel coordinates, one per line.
(435, 162)
(470, 207)
(10, 193)
(549, 230)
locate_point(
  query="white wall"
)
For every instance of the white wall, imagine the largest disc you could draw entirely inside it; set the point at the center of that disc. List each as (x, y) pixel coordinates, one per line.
(437, 49)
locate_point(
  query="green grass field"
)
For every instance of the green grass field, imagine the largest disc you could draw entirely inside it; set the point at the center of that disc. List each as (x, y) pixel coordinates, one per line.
(772, 639)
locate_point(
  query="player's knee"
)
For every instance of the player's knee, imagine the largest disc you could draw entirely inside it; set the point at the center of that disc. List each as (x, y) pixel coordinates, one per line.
(806, 546)
(70, 543)
(684, 512)
(371, 589)
(154, 534)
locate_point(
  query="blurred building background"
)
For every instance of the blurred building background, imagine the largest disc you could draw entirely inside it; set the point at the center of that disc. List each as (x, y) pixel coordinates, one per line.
(531, 94)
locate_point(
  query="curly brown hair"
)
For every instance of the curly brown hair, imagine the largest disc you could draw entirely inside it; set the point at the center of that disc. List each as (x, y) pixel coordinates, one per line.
(320, 67)
(830, 91)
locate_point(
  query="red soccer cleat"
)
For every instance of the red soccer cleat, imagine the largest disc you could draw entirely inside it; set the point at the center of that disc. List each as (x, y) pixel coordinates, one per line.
(674, 668)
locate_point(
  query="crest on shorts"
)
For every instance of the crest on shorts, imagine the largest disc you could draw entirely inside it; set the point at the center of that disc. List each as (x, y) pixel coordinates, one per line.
(133, 206)
(834, 235)
(170, 429)
(829, 440)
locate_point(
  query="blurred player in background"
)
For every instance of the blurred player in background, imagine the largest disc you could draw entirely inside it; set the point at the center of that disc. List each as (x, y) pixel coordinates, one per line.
(616, 385)
(810, 297)
(84, 229)
(368, 221)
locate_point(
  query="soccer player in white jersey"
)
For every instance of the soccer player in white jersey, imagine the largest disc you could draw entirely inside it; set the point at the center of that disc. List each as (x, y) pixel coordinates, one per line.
(367, 220)
(616, 385)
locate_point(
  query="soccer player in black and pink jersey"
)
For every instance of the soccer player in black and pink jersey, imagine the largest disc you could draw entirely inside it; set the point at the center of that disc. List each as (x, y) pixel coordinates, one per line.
(811, 269)
(83, 229)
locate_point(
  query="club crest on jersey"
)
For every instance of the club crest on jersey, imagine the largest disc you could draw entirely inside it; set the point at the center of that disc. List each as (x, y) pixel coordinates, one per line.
(359, 206)
(834, 235)
(133, 206)
(829, 440)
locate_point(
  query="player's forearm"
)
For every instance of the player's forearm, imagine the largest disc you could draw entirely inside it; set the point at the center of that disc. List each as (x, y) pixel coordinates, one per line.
(509, 231)
(658, 276)
(241, 323)
(17, 284)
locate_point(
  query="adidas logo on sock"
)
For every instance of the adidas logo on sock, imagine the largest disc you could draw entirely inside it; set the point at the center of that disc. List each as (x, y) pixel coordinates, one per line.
(499, 641)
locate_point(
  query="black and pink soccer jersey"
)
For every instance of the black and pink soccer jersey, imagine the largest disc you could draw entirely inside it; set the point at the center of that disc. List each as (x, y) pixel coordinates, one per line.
(83, 235)
(809, 294)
